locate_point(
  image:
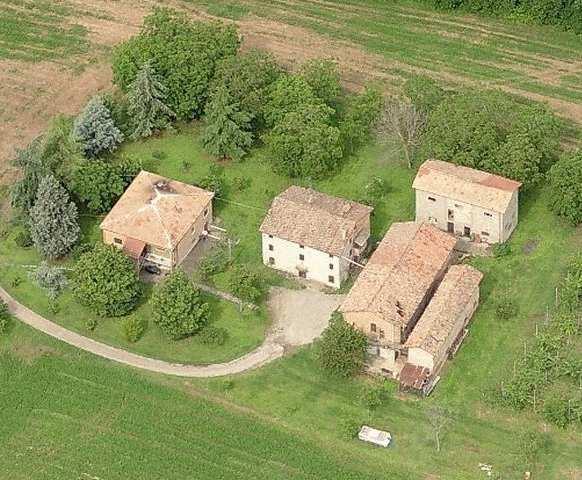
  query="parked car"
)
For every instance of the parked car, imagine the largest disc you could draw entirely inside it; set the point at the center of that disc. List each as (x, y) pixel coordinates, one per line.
(377, 437)
(153, 269)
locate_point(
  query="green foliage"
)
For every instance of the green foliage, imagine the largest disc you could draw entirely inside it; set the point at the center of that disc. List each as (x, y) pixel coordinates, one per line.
(247, 77)
(214, 180)
(178, 308)
(342, 349)
(52, 279)
(133, 327)
(290, 93)
(147, 102)
(227, 133)
(244, 283)
(99, 184)
(324, 79)
(304, 144)
(506, 309)
(106, 281)
(34, 169)
(54, 226)
(184, 54)
(566, 14)
(501, 250)
(531, 444)
(22, 237)
(211, 335)
(91, 324)
(95, 130)
(375, 395)
(424, 92)
(494, 132)
(4, 317)
(359, 117)
(350, 426)
(565, 179)
(374, 191)
(216, 261)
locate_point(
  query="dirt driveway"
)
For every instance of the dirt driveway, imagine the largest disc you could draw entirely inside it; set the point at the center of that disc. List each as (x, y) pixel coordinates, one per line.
(299, 316)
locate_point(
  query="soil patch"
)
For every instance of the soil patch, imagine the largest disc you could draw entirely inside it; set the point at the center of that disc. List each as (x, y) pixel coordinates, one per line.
(30, 353)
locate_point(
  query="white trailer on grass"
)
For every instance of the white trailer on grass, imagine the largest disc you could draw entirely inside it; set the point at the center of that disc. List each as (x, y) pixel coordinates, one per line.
(377, 437)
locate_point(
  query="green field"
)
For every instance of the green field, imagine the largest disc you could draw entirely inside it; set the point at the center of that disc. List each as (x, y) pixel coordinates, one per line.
(40, 30)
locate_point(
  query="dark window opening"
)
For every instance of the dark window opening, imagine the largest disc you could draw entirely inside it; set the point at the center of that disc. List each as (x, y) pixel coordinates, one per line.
(271, 247)
(432, 199)
(373, 327)
(331, 279)
(331, 266)
(271, 261)
(301, 256)
(118, 241)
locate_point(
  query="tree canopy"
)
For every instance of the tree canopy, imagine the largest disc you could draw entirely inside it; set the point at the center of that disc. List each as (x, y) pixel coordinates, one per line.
(53, 220)
(565, 179)
(323, 77)
(177, 306)
(304, 144)
(106, 281)
(184, 53)
(227, 133)
(495, 132)
(95, 130)
(342, 348)
(147, 102)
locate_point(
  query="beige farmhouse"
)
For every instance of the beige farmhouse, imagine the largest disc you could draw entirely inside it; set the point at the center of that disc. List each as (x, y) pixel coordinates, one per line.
(158, 220)
(393, 289)
(465, 201)
(313, 235)
(442, 326)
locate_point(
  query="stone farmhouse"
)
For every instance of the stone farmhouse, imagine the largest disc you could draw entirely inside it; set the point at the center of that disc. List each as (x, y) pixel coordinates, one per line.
(158, 220)
(393, 290)
(466, 202)
(314, 236)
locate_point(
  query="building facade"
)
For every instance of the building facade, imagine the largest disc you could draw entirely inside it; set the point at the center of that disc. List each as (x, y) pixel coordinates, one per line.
(466, 202)
(158, 220)
(314, 236)
(393, 290)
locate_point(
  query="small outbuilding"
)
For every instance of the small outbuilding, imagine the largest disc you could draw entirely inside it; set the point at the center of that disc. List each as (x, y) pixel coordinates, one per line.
(314, 236)
(466, 202)
(158, 220)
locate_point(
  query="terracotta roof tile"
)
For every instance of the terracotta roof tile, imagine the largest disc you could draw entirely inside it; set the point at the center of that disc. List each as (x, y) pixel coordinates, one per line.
(157, 210)
(400, 271)
(465, 184)
(314, 219)
(440, 317)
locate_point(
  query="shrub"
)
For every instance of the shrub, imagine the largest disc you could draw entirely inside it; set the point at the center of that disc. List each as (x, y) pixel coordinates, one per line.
(133, 328)
(556, 410)
(91, 324)
(184, 54)
(4, 317)
(22, 237)
(212, 335)
(244, 284)
(506, 308)
(349, 427)
(375, 190)
(16, 281)
(52, 279)
(53, 306)
(214, 181)
(215, 262)
(374, 396)
(342, 349)
(501, 250)
(178, 308)
(53, 221)
(95, 130)
(106, 281)
(565, 179)
(240, 184)
(304, 144)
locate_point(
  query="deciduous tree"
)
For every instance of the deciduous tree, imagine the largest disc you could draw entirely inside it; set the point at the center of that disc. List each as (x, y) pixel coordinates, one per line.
(106, 281)
(565, 179)
(54, 226)
(323, 77)
(178, 308)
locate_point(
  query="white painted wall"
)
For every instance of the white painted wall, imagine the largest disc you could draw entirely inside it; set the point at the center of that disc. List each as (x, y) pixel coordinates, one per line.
(316, 263)
(492, 227)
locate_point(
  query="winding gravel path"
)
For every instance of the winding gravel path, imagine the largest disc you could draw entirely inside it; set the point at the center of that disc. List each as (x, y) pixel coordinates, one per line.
(272, 348)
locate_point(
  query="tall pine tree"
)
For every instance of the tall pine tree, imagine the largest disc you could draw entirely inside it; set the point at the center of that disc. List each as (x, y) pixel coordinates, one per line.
(53, 220)
(227, 133)
(95, 129)
(147, 103)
